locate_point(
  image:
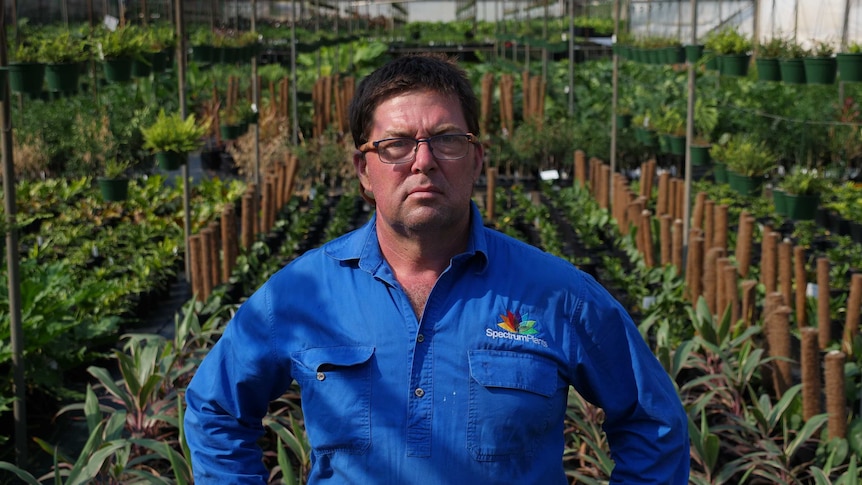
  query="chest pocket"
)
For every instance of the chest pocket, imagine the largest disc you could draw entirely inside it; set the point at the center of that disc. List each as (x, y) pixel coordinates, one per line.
(336, 397)
(512, 403)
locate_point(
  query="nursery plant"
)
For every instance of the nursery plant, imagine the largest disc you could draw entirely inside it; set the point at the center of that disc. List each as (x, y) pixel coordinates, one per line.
(173, 133)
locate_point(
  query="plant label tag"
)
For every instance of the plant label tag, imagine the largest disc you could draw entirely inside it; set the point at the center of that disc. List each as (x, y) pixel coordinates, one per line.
(111, 22)
(811, 290)
(549, 175)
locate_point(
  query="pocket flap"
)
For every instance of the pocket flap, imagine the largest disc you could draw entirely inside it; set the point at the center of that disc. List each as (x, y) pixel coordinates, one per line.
(513, 370)
(323, 358)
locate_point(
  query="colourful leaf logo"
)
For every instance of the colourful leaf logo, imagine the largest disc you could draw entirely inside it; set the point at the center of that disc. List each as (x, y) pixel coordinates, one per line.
(517, 323)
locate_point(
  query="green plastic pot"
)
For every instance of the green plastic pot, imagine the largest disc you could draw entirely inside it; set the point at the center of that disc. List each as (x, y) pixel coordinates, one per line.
(820, 70)
(802, 207)
(26, 78)
(114, 190)
(768, 69)
(170, 160)
(745, 185)
(734, 65)
(118, 70)
(849, 67)
(792, 71)
(699, 154)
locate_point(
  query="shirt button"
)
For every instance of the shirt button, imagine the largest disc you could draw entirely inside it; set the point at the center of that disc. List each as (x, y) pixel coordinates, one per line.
(419, 392)
(420, 338)
(321, 376)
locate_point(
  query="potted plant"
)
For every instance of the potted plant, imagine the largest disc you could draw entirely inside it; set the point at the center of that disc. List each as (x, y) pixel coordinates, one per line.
(62, 54)
(114, 184)
(201, 39)
(26, 70)
(802, 190)
(820, 65)
(171, 138)
(705, 121)
(749, 161)
(791, 65)
(849, 63)
(732, 48)
(766, 60)
(118, 49)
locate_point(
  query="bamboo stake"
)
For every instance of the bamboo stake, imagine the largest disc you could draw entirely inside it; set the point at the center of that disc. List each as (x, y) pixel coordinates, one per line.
(661, 206)
(206, 260)
(491, 196)
(744, 243)
(748, 301)
(646, 230)
(810, 362)
(854, 306)
(676, 245)
(581, 167)
(248, 220)
(801, 286)
(731, 291)
(768, 261)
(697, 212)
(779, 348)
(228, 240)
(696, 254)
(836, 399)
(709, 278)
(665, 239)
(824, 319)
(197, 265)
(720, 234)
(709, 222)
(785, 270)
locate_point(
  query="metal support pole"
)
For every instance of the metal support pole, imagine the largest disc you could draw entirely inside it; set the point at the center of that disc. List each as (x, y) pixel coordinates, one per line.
(614, 99)
(13, 282)
(184, 171)
(294, 112)
(571, 57)
(689, 134)
(255, 96)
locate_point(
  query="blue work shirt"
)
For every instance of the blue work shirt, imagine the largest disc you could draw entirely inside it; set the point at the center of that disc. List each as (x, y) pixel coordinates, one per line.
(474, 392)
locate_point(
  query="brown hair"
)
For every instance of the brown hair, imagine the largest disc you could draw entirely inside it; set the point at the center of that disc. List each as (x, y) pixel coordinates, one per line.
(411, 72)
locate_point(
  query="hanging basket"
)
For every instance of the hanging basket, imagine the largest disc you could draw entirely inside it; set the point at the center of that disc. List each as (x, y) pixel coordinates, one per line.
(749, 186)
(677, 144)
(820, 70)
(734, 65)
(231, 132)
(62, 77)
(202, 53)
(693, 52)
(768, 69)
(142, 66)
(160, 61)
(779, 200)
(26, 78)
(719, 172)
(114, 190)
(170, 160)
(118, 70)
(801, 207)
(699, 155)
(792, 71)
(849, 67)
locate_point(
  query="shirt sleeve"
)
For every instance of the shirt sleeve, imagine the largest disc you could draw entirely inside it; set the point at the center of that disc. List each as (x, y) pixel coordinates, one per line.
(645, 422)
(229, 396)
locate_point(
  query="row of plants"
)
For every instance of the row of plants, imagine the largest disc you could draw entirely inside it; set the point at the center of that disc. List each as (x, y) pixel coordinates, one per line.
(134, 416)
(91, 270)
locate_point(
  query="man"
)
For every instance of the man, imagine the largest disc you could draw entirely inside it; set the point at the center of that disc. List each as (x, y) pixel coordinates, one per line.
(428, 348)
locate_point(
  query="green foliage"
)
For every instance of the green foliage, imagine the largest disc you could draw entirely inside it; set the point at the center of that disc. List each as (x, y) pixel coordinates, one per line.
(745, 156)
(728, 41)
(172, 133)
(802, 181)
(123, 43)
(773, 48)
(63, 47)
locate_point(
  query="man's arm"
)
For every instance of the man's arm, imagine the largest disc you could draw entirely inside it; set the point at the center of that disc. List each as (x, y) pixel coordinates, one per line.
(229, 396)
(646, 424)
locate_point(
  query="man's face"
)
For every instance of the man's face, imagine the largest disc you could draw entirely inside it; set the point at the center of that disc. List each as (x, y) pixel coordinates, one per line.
(425, 194)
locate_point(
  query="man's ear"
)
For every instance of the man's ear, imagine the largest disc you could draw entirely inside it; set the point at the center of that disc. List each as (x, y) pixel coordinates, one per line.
(480, 160)
(361, 167)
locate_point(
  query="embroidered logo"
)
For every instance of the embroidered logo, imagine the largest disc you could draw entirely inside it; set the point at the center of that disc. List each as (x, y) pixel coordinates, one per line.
(518, 327)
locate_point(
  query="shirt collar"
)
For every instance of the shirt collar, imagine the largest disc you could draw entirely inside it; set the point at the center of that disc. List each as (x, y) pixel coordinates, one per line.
(361, 245)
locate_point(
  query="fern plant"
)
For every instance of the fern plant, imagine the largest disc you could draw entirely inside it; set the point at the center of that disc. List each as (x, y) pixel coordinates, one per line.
(172, 133)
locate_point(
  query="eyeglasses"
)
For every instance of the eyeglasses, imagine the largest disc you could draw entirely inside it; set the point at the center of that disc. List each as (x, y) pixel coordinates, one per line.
(396, 151)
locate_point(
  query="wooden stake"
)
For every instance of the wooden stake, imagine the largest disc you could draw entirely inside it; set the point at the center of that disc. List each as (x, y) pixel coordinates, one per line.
(490, 196)
(854, 306)
(197, 265)
(810, 362)
(228, 240)
(801, 286)
(836, 399)
(824, 318)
